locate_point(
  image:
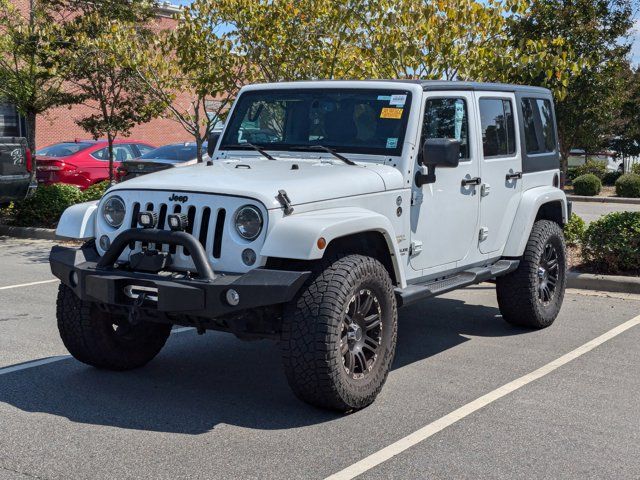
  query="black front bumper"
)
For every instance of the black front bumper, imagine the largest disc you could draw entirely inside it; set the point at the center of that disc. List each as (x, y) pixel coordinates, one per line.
(82, 270)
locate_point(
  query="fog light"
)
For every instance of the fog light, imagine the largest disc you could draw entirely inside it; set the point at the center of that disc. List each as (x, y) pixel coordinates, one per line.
(73, 278)
(178, 221)
(233, 297)
(147, 219)
(248, 257)
(105, 242)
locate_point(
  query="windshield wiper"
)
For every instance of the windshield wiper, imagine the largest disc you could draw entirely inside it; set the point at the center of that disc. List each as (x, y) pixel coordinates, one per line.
(312, 148)
(250, 145)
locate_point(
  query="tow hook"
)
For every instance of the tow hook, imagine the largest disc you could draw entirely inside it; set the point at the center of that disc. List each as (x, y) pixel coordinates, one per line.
(134, 311)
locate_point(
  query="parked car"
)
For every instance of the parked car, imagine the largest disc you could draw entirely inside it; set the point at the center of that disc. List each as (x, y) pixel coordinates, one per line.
(84, 162)
(17, 175)
(326, 208)
(168, 156)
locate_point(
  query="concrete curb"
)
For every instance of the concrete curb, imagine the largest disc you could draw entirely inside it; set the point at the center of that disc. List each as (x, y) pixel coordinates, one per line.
(605, 283)
(28, 232)
(578, 198)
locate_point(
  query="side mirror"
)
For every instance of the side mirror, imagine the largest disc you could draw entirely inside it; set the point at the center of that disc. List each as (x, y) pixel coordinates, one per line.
(212, 141)
(441, 152)
(437, 152)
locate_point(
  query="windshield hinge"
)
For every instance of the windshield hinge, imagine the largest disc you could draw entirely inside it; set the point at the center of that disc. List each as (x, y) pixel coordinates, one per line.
(416, 197)
(284, 200)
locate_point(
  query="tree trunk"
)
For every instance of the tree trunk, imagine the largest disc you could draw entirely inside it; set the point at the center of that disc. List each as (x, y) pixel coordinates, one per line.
(199, 142)
(110, 138)
(31, 131)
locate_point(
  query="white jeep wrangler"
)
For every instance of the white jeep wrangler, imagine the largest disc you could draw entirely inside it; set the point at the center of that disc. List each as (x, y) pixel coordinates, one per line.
(326, 207)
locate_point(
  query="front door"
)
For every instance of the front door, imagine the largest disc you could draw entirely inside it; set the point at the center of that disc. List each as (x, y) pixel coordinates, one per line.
(444, 214)
(500, 170)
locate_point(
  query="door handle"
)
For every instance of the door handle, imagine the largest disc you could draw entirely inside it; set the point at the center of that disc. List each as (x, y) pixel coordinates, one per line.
(471, 181)
(514, 176)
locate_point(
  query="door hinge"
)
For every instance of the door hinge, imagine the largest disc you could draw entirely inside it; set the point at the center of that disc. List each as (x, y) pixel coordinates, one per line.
(416, 197)
(484, 234)
(415, 249)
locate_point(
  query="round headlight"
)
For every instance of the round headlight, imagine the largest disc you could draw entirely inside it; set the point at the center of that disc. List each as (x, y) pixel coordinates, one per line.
(248, 222)
(113, 211)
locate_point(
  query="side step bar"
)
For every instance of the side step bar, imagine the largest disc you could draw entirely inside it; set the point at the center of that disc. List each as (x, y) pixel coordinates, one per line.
(420, 291)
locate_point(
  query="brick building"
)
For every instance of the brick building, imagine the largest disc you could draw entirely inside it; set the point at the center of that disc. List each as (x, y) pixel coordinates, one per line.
(59, 124)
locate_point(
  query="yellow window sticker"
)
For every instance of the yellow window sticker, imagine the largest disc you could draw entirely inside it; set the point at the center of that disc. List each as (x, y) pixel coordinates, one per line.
(395, 113)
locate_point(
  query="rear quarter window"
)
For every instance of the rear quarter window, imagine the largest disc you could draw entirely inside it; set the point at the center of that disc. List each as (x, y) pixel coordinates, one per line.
(539, 126)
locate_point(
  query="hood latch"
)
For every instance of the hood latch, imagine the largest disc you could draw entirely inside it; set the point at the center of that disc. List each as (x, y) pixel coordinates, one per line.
(284, 200)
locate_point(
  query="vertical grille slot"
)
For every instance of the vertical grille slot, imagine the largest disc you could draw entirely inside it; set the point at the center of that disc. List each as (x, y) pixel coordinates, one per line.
(149, 208)
(191, 216)
(162, 217)
(204, 226)
(176, 209)
(217, 237)
(134, 221)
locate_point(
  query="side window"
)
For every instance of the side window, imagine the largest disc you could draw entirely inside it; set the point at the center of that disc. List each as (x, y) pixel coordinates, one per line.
(539, 129)
(498, 130)
(144, 148)
(447, 118)
(122, 153)
(102, 154)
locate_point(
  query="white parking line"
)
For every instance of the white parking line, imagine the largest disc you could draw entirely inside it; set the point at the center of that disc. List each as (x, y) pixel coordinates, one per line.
(431, 429)
(45, 361)
(29, 284)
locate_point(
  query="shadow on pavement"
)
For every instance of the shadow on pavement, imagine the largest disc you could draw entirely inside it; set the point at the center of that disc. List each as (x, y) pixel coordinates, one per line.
(197, 383)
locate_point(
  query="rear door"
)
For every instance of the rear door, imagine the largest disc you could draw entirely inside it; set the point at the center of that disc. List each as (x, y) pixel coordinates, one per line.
(500, 169)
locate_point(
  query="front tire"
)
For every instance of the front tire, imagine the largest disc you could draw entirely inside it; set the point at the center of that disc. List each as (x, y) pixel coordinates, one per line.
(532, 295)
(339, 334)
(104, 340)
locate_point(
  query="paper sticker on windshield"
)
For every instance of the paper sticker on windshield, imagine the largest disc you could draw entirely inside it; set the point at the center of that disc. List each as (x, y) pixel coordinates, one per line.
(394, 113)
(392, 142)
(386, 98)
(398, 100)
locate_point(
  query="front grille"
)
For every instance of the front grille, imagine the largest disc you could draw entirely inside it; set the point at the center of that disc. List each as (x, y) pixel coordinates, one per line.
(206, 224)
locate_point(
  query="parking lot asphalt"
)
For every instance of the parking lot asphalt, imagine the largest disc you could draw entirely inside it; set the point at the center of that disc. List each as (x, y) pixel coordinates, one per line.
(213, 406)
(591, 211)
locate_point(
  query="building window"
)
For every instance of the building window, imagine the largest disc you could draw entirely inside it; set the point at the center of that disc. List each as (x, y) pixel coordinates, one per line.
(539, 130)
(9, 121)
(498, 131)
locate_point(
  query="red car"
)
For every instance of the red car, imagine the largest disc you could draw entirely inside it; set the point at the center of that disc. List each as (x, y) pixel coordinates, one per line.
(84, 162)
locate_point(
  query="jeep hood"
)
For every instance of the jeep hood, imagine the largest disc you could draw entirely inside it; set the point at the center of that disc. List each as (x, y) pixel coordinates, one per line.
(304, 180)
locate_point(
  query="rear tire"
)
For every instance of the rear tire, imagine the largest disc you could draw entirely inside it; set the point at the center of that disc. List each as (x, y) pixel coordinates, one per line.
(104, 340)
(532, 295)
(339, 334)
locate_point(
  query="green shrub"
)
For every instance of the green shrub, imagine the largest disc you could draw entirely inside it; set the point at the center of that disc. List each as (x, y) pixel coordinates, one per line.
(44, 207)
(572, 172)
(95, 191)
(574, 230)
(612, 243)
(610, 178)
(587, 185)
(628, 185)
(635, 168)
(593, 167)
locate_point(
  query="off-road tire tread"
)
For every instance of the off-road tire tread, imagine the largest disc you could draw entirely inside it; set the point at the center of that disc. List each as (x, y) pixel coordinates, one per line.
(311, 328)
(84, 335)
(517, 292)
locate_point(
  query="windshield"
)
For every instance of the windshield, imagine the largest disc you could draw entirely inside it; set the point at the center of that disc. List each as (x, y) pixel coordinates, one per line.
(345, 120)
(176, 153)
(63, 149)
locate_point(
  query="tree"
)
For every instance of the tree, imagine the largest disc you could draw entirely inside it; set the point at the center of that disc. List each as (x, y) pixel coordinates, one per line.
(28, 78)
(100, 66)
(596, 31)
(288, 40)
(455, 40)
(194, 71)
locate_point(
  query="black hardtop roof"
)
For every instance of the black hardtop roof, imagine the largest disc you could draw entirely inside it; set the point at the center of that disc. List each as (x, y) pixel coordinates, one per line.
(478, 86)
